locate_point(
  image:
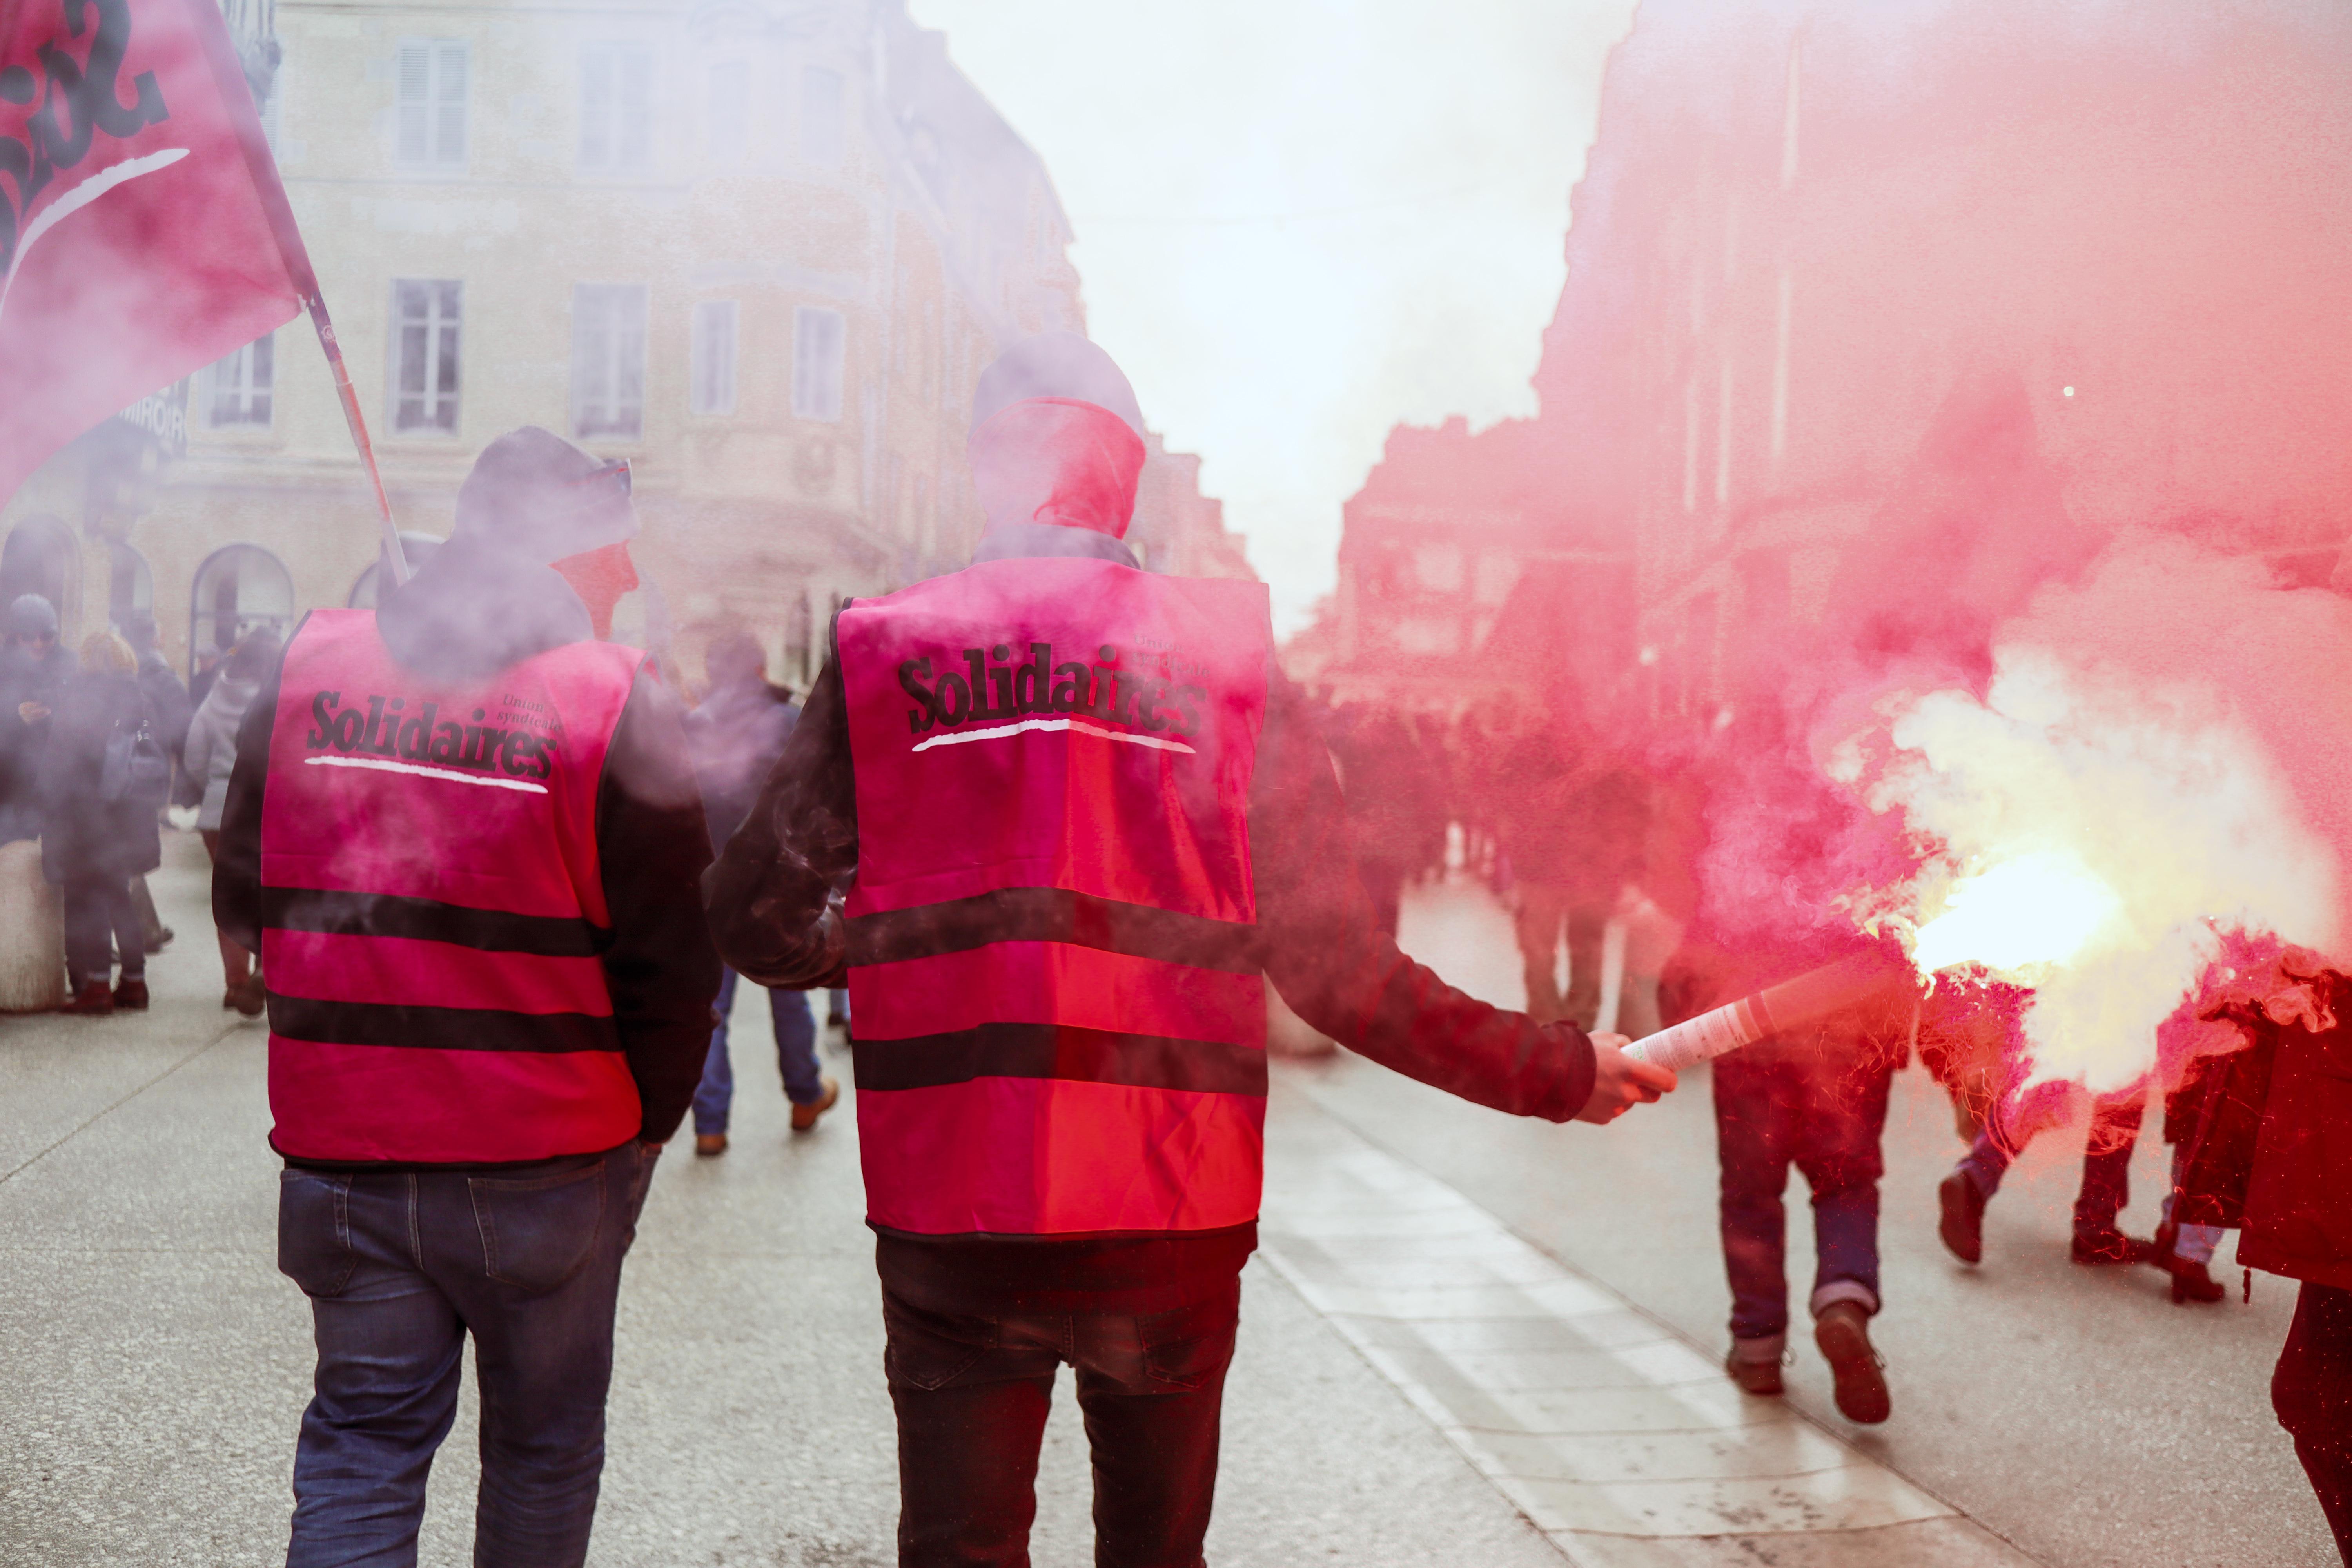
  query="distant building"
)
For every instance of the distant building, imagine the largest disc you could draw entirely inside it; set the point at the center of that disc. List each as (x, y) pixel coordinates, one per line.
(1453, 536)
(762, 250)
(1859, 292)
(1863, 292)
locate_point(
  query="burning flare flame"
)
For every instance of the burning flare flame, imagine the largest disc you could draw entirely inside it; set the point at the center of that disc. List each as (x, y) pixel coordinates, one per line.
(2090, 839)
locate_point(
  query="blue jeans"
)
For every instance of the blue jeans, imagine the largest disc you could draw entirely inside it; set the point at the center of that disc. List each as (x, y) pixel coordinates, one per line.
(399, 1266)
(2106, 1165)
(796, 1056)
(1776, 1109)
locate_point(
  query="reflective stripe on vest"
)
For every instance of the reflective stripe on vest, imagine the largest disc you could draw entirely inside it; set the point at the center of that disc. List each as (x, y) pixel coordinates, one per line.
(433, 906)
(1060, 1017)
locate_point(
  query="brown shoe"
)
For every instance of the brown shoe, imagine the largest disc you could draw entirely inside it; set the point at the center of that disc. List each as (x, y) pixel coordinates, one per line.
(131, 995)
(707, 1144)
(805, 1116)
(93, 1000)
(1842, 1331)
(1758, 1377)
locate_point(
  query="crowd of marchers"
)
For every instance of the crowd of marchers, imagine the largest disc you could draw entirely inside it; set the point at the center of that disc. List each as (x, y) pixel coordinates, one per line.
(95, 744)
(497, 961)
(1705, 852)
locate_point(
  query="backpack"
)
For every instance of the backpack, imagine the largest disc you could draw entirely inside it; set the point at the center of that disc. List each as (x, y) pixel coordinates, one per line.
(136, 768)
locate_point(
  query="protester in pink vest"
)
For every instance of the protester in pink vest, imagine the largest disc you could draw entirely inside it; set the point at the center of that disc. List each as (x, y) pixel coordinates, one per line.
(1081, 816)
(464, 836)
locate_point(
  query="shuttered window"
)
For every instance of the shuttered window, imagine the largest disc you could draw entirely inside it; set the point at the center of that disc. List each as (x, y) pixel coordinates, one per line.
(714, 356)
(431, 79)
(617, 107)
(819, 337)
(608, 360)
(424, 331)
(237, 390)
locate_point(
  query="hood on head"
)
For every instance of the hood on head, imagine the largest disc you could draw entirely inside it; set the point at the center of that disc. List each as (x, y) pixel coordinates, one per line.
(534, 494)
(474, 608)
(1057, 437)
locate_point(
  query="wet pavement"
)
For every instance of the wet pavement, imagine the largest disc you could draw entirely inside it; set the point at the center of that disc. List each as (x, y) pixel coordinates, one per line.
(158, 1364)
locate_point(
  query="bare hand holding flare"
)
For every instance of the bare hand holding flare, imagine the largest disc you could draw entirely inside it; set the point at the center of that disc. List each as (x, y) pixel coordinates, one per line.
(1620, 1081)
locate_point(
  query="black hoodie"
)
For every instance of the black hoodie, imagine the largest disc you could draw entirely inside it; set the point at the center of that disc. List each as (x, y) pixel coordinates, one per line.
(474, 609)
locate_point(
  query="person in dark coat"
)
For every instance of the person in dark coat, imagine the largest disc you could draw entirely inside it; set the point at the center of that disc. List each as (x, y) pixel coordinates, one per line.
(1389, 792)
(168, 704)
(736, 736)
(103, 778)
(34, 668)
(2271, 1151)
(1575, 823)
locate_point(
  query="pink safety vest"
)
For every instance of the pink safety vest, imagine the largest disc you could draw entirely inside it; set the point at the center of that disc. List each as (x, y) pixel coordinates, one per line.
(1060, 1019)
(432, 909)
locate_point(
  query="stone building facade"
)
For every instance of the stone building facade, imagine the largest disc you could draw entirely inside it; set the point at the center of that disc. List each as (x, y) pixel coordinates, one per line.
(762, 250)
(1859, 293)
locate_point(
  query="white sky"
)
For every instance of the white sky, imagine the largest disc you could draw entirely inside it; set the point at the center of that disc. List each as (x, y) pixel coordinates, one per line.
(1301, 221)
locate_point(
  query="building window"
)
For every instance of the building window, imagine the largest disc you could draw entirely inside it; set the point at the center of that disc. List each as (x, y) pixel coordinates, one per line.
(821, 117)
(730, 107)
(425, 324)
(431, 75)
(235, 389)
(714, 356)
(617, 107)
(608, 360)
(818, 338)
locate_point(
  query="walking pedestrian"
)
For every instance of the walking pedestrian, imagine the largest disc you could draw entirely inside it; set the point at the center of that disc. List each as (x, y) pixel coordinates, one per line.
(736, 734)
(104, 774)
(1576, 826)
(2271, 1149)
(208, 757)
(169, 710)
(1386, 783)
(465, 837)
(1085, 815)
(34, 668)
(2104, 1191)
(1815, 1099)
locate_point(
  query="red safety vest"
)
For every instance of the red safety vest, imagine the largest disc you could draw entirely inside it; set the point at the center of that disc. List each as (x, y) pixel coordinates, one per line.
(433, 907)
(1060, 1019)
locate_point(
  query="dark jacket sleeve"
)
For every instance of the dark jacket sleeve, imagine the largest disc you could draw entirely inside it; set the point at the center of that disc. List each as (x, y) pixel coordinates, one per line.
(236, 860)
(1348, 979)
(768, 893)
(653, 847)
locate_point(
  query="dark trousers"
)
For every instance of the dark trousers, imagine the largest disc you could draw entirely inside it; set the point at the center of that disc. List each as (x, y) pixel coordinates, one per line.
(101, 918)
(1545, 907)
(972, 1392)
(1824, 1116)
(399, 1266)
(2106, 1165)
(2311, 1393)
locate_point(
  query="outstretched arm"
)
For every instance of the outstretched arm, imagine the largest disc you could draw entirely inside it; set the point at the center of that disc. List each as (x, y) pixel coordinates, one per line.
(1349, 980)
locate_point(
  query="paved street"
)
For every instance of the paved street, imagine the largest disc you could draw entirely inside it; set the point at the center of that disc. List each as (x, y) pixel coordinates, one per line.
(1464, 1332)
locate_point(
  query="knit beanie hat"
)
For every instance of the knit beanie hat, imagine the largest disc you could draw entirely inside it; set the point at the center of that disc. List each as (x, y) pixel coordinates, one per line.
(30, 616)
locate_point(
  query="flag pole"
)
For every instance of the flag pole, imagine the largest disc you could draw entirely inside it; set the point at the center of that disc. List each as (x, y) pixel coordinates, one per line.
(228, 73)
(396, 558)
